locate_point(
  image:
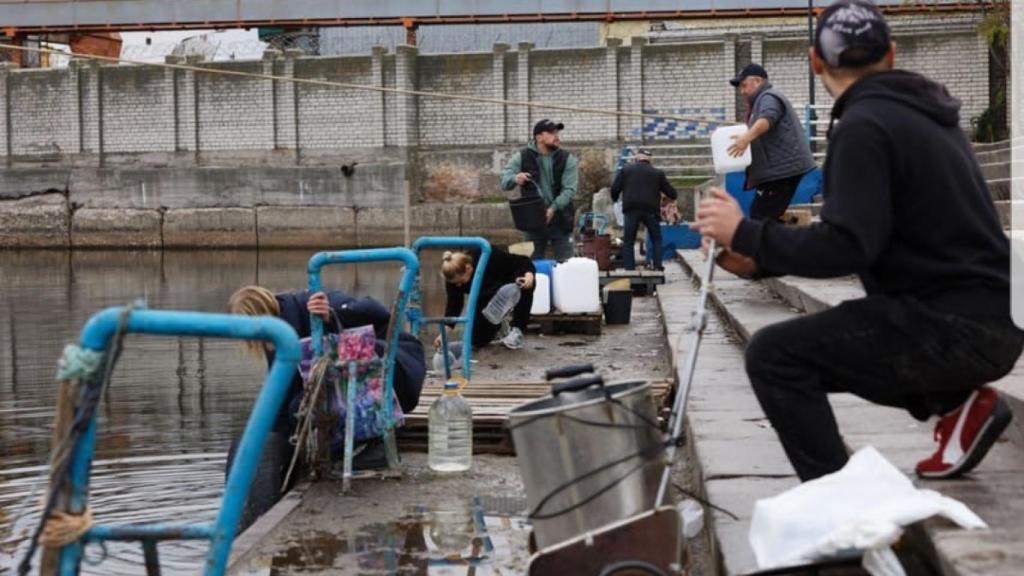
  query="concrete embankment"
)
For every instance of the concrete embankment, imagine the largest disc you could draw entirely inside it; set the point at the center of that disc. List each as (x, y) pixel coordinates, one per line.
(50, 221)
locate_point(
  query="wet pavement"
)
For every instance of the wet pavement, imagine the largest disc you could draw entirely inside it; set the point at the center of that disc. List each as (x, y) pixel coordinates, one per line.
(421, 523)
(428, 523)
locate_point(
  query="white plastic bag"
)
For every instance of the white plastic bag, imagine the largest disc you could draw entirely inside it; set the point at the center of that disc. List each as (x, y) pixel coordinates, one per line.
(620, 217)
(862, 507)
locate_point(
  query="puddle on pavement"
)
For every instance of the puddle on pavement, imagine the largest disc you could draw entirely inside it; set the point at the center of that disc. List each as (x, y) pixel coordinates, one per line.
(484, 536)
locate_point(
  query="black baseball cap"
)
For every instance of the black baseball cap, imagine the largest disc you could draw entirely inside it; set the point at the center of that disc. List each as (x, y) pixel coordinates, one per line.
(749, 70)
(852, 33)
(547, 125)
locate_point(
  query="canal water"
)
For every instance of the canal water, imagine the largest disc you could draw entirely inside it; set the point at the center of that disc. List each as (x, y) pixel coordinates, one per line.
(173, 405)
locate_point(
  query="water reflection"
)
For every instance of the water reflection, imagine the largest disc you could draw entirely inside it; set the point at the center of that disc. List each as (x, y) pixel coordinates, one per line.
(173, 403)
(468, 537)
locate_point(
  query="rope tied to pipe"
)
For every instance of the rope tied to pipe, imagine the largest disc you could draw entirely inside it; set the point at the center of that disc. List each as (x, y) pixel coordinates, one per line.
(94, 382)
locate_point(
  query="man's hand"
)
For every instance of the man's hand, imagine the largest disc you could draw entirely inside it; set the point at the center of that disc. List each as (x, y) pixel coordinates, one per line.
(736, 263)
(437, 341)
(318, 305)
(525, 281)
(718, 217)
(522, 178)
(549, 215)
(739, 146)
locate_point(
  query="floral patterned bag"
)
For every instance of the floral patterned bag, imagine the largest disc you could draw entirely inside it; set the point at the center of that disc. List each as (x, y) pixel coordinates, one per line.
(358, 345)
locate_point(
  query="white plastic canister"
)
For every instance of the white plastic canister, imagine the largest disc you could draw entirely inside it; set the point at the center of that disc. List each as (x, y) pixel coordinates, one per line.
(541, 294)
(721, 139)
(577, 287)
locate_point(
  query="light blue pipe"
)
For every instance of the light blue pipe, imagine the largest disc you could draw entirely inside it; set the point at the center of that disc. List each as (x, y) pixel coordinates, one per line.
(474, 288)
(412, 270)
(96, 335)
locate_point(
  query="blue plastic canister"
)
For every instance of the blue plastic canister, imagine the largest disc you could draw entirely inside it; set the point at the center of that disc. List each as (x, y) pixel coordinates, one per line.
(547, 267)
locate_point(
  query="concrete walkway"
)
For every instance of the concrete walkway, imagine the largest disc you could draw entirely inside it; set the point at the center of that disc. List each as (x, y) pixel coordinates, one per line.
(742, 461)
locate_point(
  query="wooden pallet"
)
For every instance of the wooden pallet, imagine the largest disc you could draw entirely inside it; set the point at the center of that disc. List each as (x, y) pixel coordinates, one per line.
(561, 323)
(491, 402)
(641, 281)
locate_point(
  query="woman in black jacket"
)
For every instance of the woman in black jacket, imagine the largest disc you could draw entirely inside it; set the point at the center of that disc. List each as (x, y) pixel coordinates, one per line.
(502, 268)
(295, 308)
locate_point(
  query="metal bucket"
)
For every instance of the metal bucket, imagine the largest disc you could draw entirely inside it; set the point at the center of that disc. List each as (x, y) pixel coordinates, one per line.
(587, 461)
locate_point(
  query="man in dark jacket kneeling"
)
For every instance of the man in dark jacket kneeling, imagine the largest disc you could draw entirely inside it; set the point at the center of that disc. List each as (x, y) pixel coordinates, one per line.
(641, 186)
(906, 209)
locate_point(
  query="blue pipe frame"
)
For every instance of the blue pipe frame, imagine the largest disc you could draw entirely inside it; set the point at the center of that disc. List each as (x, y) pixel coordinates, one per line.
(405, 288)
(96, 335)
(474, 288)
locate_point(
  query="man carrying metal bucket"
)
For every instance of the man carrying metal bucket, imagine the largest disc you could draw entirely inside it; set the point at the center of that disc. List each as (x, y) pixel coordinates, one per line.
(545, 168)
(907, 210)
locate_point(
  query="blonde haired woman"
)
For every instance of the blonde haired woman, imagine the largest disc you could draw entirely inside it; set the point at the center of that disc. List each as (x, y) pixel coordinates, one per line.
(295, 308)
(502, 268)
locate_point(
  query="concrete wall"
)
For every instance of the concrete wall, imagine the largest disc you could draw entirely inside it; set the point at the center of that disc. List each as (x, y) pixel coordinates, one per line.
(50, 221)
(114, 110)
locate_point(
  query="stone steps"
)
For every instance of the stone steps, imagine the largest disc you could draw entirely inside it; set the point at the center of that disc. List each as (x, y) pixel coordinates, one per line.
(723, 410)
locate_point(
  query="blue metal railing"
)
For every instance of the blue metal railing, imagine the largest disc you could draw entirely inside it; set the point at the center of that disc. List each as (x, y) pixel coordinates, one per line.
(405, 288)
(474, 290)
(96, 335)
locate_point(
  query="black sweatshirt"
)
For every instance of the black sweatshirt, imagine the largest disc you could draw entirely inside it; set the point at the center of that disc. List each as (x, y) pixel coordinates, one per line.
(410, 363)
(906, 205)
(641, 186)
(502, 268)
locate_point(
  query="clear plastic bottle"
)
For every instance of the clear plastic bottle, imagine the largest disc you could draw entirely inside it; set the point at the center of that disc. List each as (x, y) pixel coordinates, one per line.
(504, 300)
(450, 432)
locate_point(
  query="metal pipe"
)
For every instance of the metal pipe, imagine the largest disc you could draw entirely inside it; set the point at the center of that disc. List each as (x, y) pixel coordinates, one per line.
(58, 16)
(474, 287)
(97, 334)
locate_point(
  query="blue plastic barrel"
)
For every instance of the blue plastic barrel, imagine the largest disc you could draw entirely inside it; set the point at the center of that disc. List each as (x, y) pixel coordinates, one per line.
(674, 237)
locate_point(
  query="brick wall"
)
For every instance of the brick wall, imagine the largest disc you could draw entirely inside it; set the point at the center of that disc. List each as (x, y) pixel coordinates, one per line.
(235, 113)
(628, 85)
(511, 93)
(959, 61)
(44, 112)
(455, 122)
(330, 117)
(787, 66)
(111, 109)
(138, 109)
(686, 76)
(574, 78)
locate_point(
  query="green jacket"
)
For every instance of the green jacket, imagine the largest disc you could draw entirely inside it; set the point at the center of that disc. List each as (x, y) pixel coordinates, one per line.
(570, 177)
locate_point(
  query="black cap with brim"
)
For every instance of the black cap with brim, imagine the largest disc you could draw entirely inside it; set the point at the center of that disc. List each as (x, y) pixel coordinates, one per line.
(749, 70)
(546, 125)
(852, 33)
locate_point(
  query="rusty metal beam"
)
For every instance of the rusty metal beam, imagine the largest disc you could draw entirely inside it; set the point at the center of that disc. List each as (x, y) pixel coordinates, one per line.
(27, 17)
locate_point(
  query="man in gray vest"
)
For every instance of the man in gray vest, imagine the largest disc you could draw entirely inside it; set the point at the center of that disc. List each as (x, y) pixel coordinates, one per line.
(781, 155)
(551, 172)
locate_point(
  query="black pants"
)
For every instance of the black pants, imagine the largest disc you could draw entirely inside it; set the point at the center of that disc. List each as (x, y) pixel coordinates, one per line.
(773, 198)
(633, 219)
(893, 352)
(484, 331)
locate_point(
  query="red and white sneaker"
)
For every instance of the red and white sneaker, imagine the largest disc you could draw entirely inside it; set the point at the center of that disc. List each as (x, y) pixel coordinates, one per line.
(966, 434)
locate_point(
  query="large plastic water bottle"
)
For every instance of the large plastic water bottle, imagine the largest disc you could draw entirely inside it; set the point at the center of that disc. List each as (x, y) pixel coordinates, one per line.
(450, 432)
(504, 300)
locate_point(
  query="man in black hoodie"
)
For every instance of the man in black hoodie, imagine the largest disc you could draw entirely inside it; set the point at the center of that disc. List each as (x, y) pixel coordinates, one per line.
(641, 187)
(906, 209)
